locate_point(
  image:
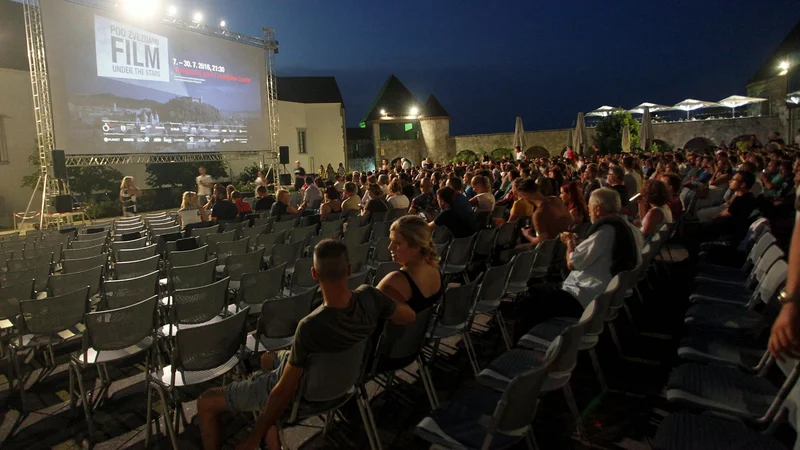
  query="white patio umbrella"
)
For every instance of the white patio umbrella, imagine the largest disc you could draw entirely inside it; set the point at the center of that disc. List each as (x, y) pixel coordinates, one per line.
(654, 107)
(626, 139)
(579, 136)
(646, 131)
(691, 104)
(519, 135)
(793, 98)
(734, 101)
(604, 111)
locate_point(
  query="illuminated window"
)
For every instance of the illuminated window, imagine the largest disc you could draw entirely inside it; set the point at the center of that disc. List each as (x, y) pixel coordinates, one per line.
(409, 126)
(301, 140)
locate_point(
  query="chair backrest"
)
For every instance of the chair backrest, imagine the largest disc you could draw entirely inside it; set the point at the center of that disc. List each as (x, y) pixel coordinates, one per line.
(457, 304)
(402, 342)
(131, 269)
(627, 279)
(330, 376)
(357, 221)
(121, 293)
(382, 253)
(116, 246)
(331, 228)
(385, 268)
(268, 240)
(517, 407)
(301, 234)
(81, 264)
(567, 356)
(53, 314)
(460, 253)
(85, 252)
(199, 304)
(356, 236)
(357, 279)
(771, 283)
(285, 225)
(186, 277)
(545, 253)
(54, 250)
(225, 249)
(212, 345)
(136, 254)
(255, 287)
(602, 303)
(254, 231)
(22, 264)
(280, 316)
(238, 265)
(120, 328)
(441, 235)
(213, 239)
(285, 254)
(203, 232)
(39, 274)
(5, 256)
(358, 256)
(766, 261)
(11, 295)
(495, 280)
(164, 230)
(759, 248)
(68, 282)
(523, 268)
(485, 242)
(754, 233)
(380, 230)
(188, 257)
(301, 278)
(507, 234)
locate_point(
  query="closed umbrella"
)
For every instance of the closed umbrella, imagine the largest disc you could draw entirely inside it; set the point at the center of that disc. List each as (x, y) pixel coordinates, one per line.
(519, 135)
(734, 101)
(646, 132)
(626, 139)
(691, 104)
(579, 137)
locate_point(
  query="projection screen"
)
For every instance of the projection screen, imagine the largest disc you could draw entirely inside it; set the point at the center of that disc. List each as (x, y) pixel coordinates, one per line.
(125, 86)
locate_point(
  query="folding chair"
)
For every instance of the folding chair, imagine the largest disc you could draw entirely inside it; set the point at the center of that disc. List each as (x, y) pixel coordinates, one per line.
(356, 236)
(136, 254)
(238, 265)
(204, 232)
(358, 255)
(121, 293)
(331, 228)
(384, 268)
(301, 278)
(39, 274)
(81, 264)
(187, 257)
(85, 252)
(285, 225)
(459, 256)
(278, 321)
(196, 306)
(70, 282)
(132, 269)
(255, 287)
(10, 296)
(185, 277)
(490, 295)
(267, 241)
(28, 263)
(357, 279)
(213, 239)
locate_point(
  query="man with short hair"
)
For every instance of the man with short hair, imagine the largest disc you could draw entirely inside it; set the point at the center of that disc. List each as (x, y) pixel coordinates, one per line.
(590, 181)
(406, 164)
(223, 208)
(299, 175)
(425, 202)
(265, 201)
(312, 194)
(338, 184)
(456, 216)
(345, 319)
(204, 183)
(351, 199)
(632, 179)
(383, 182)
(405, 183)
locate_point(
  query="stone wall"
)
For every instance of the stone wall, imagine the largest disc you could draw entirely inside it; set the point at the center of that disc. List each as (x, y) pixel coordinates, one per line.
(553, 140)
(435, 133)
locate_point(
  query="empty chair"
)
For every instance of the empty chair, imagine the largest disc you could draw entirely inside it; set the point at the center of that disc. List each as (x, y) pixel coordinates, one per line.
(112, 335)
(356, 236)
(331, 228)
(285, 225)
(285, 254)
(5, 256)
(17, 246)
(10, 297)
(225, 249)
(195, 306)
(254, 231)
(213, 239)
(39, 274)
(490, 295)
(459, 255)
(357, 279)
(357, 221)
(81, 264)
(483, 418)
(441, 235)
(521, 273)
(238, 265)
(711, 432)
(22, 264)
(383, 269)
(116, 246)
(732, 290)
(268, 221)
(266, 241)
(200, 354)
(302, 280)
(121, 293)
(507, 234)
(380, 230)
(85, 252)
(204, 232)
(136, 254)
(186, 277)
(302, 234)
(255, 287)
(61, 284)
(358, 255)
(235, 226)
(454, 318)
(132, 269)
(382, 253)
(187, 257)
(545, 252)
(162, 231)
(278, 321)
(484, 245)
(54, 250)
(46, 322)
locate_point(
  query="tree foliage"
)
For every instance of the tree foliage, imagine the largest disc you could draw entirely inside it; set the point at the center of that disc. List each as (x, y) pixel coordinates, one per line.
(88, 180)
(608, 133)
(500, 153)
(186, 111)
(182, 175)
(466, 156)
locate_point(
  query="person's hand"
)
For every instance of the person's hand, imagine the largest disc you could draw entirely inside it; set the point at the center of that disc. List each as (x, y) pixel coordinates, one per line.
(784, 340)
(566, 237)
(527, 232)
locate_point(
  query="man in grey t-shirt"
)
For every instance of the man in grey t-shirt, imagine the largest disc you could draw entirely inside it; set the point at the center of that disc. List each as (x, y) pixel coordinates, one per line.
(344, 319)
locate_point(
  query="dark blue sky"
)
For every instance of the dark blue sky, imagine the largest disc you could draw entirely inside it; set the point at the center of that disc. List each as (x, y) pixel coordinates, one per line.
(489, 61)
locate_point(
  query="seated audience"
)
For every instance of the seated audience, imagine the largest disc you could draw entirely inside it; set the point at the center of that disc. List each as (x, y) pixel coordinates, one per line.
(483, 200)
(264, 201)
(376, 203)
(351, 199)
(425, 202)
(312, 197)
(332, 204)
(675, 205)
(456, 216)
(242, 206)
(396, 198)
(190, 211)
(223, 208)
(281, 206)
(345, 318)
(550, 218)
(573, 198)
(653, 209)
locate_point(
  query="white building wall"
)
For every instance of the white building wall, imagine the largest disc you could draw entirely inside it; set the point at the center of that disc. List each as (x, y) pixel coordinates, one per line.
(326, 134)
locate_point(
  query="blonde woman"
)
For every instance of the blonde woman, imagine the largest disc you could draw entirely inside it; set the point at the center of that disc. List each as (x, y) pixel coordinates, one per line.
(418, 282)
(127, 196)
(190, 211)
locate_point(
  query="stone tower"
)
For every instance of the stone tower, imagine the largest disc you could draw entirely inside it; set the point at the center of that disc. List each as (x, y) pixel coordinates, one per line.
(435, 128)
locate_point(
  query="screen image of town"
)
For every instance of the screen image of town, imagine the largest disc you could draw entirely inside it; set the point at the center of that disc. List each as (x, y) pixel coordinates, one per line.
(122, 86)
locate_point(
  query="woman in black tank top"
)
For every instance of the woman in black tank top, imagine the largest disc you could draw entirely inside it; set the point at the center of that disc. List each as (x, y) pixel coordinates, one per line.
(418, 282)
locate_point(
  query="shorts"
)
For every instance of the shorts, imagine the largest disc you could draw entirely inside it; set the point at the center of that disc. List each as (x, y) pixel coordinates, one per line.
(251, 395)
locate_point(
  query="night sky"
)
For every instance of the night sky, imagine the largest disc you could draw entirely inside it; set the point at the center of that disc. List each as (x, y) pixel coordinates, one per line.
(489, 61)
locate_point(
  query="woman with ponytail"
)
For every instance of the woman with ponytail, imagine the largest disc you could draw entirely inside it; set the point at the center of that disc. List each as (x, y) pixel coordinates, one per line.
(418, 282)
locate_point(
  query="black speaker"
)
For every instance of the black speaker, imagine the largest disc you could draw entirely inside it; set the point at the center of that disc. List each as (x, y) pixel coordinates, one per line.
(59, 164)
(284, 151)
(63, 203)
(285, 179)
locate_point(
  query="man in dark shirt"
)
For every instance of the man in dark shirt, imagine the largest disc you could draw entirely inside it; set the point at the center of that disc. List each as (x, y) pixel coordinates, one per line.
(408, 188)
(591, 183)
(223, 209)
(455, 216)
(424, 202)
(299, 176)
(736, 219)
(264, 202)
(345, 319)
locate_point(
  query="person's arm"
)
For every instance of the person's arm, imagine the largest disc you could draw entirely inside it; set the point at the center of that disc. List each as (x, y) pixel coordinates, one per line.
(403, 315)
(569, 240)
(527, 233)
(292, 210)
(203, 215)
(279, 398)
(392, 286)
(785, 336)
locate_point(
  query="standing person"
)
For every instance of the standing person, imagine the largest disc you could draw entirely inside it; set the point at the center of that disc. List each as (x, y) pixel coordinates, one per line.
(299, 175)
(329, 172)
(385, 166)
(345, 318)
(519, 156)
(204, 185)
(340, 171)
(127, 196)
(261, 180)
(190, 211)
(321, 172)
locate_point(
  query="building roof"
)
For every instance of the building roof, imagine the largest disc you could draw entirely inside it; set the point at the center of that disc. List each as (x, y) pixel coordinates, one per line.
(309, 90)
(13, 49)
(394, 98)
(789, 48)
(433, 108)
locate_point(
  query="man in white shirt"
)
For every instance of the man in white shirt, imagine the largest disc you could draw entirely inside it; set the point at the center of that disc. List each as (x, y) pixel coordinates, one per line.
(406, 164)
(519, 155)
(483, 199)
(339, 184)
(204, 183)
(261, 180)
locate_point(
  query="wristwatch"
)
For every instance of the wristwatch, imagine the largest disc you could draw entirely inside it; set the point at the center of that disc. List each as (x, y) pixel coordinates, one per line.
(785, 298)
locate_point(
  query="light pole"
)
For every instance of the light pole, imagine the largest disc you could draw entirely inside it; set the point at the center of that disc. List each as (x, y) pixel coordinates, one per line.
(785, 66)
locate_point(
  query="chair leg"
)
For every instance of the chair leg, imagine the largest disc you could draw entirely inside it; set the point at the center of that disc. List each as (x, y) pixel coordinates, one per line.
(149, 431)
(530, 440)
(598, 370)
(473, 358)
(573, 407)
(20, 379)
(427, 383)
(87, 407)
(363, 406)
(501, 322)
(71, 391)
(167, 419)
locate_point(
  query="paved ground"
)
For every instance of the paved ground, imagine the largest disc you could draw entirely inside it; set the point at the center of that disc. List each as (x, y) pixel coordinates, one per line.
(623, 418)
